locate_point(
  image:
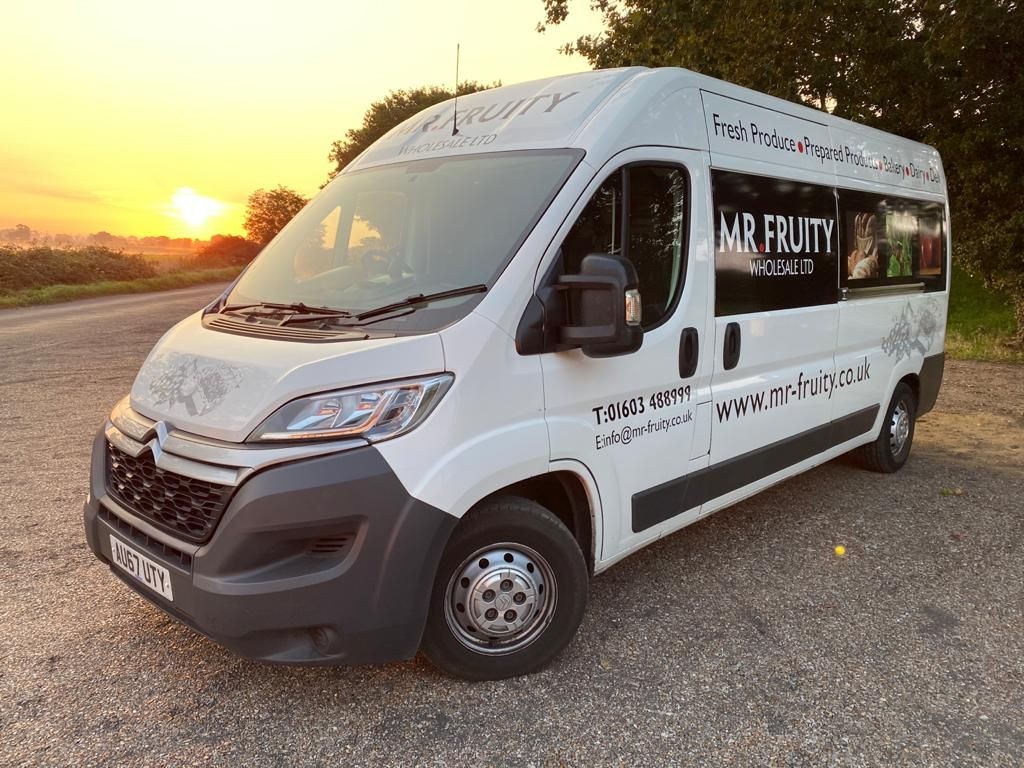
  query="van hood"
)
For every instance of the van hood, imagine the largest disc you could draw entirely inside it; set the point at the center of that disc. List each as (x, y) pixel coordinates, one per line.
(223, 386)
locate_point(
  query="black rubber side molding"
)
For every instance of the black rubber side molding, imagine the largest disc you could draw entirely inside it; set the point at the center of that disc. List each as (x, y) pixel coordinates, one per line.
(663, 502)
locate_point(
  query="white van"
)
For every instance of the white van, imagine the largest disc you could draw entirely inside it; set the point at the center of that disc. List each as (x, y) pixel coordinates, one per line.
(517, 339)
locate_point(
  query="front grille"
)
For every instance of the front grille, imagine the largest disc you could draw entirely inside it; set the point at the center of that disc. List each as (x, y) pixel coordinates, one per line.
(180, 505)
(330, 546)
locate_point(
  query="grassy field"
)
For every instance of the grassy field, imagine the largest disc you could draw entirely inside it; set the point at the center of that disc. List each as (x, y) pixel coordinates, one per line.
(52, 294)
(980, 322)
(169, 262)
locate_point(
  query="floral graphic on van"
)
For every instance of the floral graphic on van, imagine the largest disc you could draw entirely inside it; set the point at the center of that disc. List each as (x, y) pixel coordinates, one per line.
(199, 385)
(913, 331)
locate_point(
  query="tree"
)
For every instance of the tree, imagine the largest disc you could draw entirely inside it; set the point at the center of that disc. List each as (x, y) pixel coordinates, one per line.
(946, 72)
(227, 250)
(385, 114)
(20, 233)
(267, 211)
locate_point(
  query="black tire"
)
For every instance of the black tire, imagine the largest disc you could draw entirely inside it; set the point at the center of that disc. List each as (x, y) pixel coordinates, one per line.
(545, 558)
(882, 455)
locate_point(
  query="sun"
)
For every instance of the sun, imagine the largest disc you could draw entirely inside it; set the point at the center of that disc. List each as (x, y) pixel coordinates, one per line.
(194, 209)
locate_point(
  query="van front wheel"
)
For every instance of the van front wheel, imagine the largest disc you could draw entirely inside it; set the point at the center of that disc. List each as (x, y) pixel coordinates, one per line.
(509, 594)
(891, 449)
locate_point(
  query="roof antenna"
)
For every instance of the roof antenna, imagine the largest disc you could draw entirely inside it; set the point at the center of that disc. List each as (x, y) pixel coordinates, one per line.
(455, 106)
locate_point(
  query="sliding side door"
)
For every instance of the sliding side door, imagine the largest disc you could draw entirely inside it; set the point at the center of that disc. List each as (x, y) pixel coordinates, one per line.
(776, 320)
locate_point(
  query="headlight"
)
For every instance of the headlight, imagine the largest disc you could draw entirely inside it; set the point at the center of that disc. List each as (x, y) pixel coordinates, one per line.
(374, 413)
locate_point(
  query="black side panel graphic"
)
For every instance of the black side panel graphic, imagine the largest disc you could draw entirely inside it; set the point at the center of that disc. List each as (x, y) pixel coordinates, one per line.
(665, 501)
(776, 244)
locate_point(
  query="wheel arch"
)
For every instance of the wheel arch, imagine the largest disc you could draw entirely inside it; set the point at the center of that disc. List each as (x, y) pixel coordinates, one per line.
(567, 495)
(913, 381)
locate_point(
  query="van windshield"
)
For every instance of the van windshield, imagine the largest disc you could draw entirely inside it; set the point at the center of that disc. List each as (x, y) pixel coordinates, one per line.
(376, 237)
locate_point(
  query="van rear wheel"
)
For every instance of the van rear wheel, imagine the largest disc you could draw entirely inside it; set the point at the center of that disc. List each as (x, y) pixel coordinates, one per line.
(509, 594)
(891, 449)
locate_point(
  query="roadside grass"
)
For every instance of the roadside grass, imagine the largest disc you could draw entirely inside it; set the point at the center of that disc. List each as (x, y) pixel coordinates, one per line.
(169, 262)
(52, 294)
(980, 323)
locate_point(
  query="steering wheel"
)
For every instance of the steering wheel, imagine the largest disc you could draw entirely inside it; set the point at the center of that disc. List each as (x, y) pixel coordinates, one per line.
(378, 261)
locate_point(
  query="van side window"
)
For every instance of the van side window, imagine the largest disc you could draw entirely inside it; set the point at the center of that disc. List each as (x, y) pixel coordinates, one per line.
(891, 240)
(655, 246)
(638, 212)
(599, 227)
(776, 243)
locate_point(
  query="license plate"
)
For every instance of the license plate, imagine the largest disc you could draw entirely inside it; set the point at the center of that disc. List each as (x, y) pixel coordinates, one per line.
(133, 562)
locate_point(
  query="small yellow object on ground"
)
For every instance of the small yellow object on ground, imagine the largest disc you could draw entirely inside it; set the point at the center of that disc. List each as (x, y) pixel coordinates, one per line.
(840, 550)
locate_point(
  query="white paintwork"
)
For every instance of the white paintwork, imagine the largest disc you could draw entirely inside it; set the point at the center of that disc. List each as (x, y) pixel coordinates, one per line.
(778, 347)
(509, 417)
(487, 432)
(222, 386)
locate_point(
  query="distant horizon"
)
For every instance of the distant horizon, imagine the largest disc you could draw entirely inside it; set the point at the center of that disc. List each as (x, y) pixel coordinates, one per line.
(5, 227)
(9, 236)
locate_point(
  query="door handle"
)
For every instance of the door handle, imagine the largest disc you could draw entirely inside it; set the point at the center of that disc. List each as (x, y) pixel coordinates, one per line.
(731, 353)
(689, 353)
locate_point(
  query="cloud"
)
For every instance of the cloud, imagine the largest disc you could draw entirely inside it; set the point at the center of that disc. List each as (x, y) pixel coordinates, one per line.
(62, 193)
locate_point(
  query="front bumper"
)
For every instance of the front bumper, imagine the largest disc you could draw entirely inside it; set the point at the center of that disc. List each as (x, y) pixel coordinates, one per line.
(323, 560)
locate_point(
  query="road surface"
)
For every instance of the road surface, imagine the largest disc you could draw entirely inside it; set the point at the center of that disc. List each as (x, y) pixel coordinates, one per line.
(742, 640)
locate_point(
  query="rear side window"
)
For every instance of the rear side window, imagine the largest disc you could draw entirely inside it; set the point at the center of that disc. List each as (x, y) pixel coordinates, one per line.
(891, 241)
(639, 212)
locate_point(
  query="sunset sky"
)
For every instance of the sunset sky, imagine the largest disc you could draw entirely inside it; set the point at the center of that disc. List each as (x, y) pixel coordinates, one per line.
(144, 118)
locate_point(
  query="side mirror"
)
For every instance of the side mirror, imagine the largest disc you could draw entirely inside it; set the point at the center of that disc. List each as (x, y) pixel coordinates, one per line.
(604, 307)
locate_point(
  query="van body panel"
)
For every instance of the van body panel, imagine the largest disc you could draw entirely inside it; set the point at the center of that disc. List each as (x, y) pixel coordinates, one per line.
(614, 109)
(656, 109)
(481, 437)
(892, 336)
(776, 389)
(740, 131)
(877, 156)
(223, 386)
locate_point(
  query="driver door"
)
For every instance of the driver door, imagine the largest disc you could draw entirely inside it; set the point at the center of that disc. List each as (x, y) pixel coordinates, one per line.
(636, 419)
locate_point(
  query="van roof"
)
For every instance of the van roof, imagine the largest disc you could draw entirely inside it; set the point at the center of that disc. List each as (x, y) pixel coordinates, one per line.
(604, 111)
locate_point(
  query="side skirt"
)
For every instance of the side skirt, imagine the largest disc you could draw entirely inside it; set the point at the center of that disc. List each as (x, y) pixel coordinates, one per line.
(663, 502)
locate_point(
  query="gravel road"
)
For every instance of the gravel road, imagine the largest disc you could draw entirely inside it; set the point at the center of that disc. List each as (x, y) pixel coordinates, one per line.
(742, 640)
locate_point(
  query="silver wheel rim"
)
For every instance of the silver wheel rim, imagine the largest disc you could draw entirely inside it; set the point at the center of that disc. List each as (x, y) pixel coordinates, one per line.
(899, 428)
(500, 599)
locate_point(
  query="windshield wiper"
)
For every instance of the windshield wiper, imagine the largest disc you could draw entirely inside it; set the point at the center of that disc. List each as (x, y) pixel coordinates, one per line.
(297, 308)
(420, 298)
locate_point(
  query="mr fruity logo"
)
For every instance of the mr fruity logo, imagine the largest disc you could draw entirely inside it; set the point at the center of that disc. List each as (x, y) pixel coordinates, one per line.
(481, 120)
(781, 239)
(776, 243)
